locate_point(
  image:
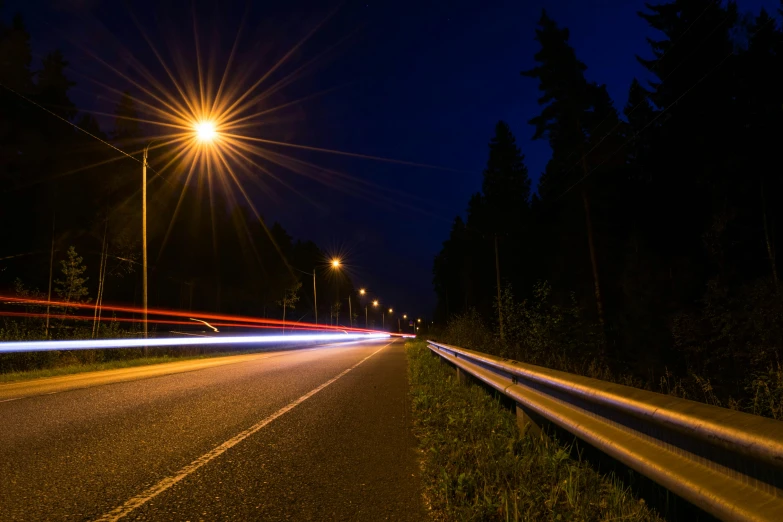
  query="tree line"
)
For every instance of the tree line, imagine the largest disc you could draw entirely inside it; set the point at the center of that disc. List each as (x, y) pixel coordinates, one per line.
(63, 189)
(650, 242)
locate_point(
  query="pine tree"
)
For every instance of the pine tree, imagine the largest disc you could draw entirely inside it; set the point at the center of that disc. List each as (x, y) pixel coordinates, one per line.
(506, 185)
(290, 297)
(71, 288)
(15, 56)
(574, 114)
(53, 85)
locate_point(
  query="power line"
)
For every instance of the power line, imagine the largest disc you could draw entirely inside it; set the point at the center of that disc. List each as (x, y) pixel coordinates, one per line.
(93, 136)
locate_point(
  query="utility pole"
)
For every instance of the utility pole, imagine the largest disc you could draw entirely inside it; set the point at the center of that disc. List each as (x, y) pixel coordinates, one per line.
(350, 312)
(101, 276)
(144, 240)
(365, 317)
(497, 276)
(51, 265)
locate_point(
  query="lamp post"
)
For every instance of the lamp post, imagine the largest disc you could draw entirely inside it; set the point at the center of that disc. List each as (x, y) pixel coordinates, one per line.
(144, 239)
(335, 264)
(362, 292)
(204, 132)
(315, 299)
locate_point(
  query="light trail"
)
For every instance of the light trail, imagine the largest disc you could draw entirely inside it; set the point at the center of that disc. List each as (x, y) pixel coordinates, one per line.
(41, 315)
(186, 315)
(45, 346)
(206, 323)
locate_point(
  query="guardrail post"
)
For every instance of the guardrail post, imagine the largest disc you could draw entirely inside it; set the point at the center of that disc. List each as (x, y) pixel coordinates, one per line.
(526, 424)
(462, 377)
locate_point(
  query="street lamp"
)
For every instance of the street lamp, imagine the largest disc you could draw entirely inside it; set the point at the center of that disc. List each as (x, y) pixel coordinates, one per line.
(204, 132)
(362, 292)
(375, 304)
(383, 318)
(335, 264)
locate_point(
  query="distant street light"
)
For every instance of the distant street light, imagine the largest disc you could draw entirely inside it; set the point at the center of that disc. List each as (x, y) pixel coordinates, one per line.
(335, 263)
(362, 291)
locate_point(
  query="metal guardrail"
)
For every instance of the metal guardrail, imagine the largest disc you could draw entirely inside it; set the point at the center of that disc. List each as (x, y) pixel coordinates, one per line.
(728, 463)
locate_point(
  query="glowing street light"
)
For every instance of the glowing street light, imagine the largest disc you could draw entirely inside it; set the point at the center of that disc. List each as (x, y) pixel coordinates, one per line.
(375, 303)
(362, 291)
(404, 316)
(335, 263)
(205, 131)
(390, 310)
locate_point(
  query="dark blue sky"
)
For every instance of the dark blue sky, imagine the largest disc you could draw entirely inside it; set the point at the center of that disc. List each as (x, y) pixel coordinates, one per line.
(417, 81)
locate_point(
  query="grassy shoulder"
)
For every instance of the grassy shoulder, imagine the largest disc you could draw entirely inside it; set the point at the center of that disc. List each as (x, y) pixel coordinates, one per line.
(477, 466)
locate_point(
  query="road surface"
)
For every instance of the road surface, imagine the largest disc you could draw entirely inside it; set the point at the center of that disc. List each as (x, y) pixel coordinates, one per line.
(314, 434)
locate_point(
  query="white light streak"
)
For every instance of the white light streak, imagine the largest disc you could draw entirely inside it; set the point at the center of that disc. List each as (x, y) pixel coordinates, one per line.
(92, 344)
(206, 323)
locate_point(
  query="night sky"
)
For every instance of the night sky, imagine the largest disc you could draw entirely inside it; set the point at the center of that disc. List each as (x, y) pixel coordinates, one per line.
(419, 81)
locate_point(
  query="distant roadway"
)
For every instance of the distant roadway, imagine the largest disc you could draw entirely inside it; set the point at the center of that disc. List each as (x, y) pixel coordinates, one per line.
(320, 433)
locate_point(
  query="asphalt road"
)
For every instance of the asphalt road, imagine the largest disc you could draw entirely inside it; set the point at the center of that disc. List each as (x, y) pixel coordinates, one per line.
(314, 434)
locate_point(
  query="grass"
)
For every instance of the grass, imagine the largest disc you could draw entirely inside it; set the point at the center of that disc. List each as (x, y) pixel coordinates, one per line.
(71, 369)
(478, 467)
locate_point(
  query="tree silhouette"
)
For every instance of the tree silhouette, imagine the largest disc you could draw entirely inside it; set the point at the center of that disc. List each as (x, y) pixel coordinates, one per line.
(71, 287)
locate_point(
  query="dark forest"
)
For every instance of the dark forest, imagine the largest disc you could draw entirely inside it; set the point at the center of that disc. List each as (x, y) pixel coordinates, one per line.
(647, 254)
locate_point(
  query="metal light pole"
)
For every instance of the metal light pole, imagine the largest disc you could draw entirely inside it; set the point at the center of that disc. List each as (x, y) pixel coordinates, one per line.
(350, 312)
(144, 238)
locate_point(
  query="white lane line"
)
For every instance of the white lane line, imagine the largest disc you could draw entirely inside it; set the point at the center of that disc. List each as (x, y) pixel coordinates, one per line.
(168, 482)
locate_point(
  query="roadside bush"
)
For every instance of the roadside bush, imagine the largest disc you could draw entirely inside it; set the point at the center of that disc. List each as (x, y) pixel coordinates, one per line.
(731, 345)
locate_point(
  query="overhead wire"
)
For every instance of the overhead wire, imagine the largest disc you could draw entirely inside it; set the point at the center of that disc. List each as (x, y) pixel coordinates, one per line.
(77, 127)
